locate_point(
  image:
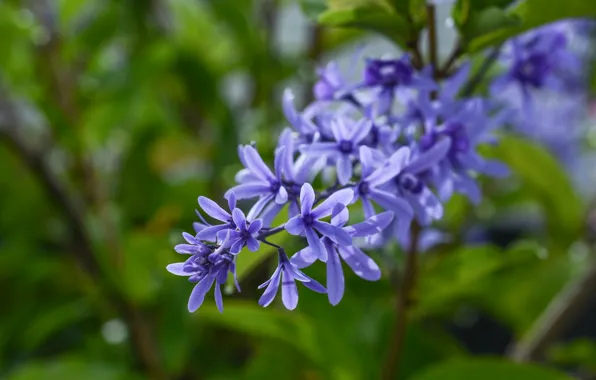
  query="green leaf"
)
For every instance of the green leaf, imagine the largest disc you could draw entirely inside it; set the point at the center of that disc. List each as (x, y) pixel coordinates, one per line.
(313, 8)
(488, 369)
(70, 368)
(375, 16)
(547, 181)
(250, 318)
(487, 21)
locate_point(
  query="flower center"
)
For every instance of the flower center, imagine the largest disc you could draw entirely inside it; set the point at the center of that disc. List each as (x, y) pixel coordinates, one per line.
(388, 73)
(275, 186)
(346, 146)
(533, 70)
(410, 182)
(308, 219)
(363, 188)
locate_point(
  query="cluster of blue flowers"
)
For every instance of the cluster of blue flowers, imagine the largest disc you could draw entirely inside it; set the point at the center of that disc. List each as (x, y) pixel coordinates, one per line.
(396, 143)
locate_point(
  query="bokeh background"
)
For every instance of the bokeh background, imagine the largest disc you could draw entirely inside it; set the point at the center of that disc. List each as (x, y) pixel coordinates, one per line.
(116, 115)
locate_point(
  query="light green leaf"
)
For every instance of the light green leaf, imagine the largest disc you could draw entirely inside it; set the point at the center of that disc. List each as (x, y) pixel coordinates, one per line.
(548, 182)
(375, 16)
(313, 8)
(488, 369)
(250, 318)
(70, 368)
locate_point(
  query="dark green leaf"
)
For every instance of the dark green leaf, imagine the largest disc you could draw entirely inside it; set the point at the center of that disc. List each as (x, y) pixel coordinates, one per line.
(488, 369)
(376, 17)
(313, 8)
(548, 182)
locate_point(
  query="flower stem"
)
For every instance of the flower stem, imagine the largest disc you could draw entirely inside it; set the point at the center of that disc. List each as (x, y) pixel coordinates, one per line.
(432, 37)
(403, 302)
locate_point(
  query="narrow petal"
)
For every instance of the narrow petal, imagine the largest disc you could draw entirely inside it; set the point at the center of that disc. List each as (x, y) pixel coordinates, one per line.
(281, 196)
(338, 130)
(237, 246)
(239, 219)
(218, 298)
(344, 169)
(361, 130)
(255, 226)
(187, 248)
(307, 198)
(189, 238)
(339, 215)
(362, 265)
(366, 160)
(430, 158)
(368, 208)
(315, 286)
(198, 293)
(295, 226)
(278, 161)
(343, 196)
(392, 167)
(328, 148)
(256, 209)
(210, 233)
(373, 225)
(250, 190)
(272, 287)
(178, 269)
(231, 197)
(336, 234)
(255, 163)
(335, 276)
(252, 244)
(393, 203)
(213, 210)
(318, 249)
(289, 290)
(303, 258)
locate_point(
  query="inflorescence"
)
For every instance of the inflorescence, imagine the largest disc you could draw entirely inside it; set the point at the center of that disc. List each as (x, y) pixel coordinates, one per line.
(396, 144)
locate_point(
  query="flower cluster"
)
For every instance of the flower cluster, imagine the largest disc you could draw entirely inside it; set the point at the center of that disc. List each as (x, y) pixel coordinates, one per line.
(395, 144)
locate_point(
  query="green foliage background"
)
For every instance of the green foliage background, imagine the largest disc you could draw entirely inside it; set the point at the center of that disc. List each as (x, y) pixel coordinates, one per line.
(115, 116)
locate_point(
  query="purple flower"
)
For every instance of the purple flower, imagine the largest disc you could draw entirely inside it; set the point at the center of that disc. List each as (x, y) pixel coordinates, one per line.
(286, 273)
(539, 59)
(245, 232)
(217, 232)
(307, 222)
(466, 130)
(362, 265)
(344, 148)
(370, 187)
(204, 267)
(389, 74)
(236, 227)
(257, 180)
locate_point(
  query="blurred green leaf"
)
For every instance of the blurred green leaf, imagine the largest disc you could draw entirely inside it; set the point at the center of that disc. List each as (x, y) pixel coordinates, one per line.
(313, 8)
(488, 369)
(377, 16)
(250, 318)
(550, 185)
(487, 20)
(577, 353)
(70, 368)
(51, 321)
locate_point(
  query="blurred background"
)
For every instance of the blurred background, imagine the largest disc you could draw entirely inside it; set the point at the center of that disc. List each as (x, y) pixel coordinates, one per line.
(116, 115)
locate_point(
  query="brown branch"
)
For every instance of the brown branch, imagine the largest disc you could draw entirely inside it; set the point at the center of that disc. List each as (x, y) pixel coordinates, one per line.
(403, 303)
(445, 70)
(80, 243)
(432, 37)
(561, 313)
